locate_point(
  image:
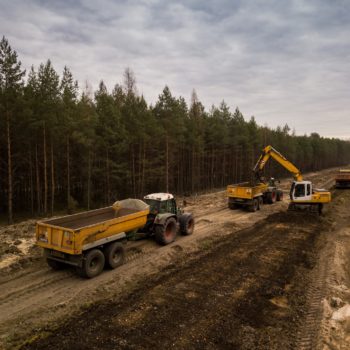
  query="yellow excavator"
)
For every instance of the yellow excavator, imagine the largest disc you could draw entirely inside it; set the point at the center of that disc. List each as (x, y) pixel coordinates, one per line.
(303, 196)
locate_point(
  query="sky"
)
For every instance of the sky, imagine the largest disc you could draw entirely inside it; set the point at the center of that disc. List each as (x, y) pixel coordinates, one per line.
(282, 61)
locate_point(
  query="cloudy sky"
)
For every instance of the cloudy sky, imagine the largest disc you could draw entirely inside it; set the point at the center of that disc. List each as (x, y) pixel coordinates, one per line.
(282, 61)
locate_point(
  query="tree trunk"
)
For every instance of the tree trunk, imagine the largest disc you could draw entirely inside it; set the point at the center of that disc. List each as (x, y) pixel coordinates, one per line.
(31, 183)
(167, 164)
(143, 169)
(52, 180)
(37, 180)
(45, 172)
(133, 170)
(89, 180)
(9, 169)
(107, 178)
(68, 175)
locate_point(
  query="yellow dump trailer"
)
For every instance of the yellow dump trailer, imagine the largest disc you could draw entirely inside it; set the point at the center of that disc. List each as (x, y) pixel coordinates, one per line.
(252, 196)
(91, 239)
(342, 178)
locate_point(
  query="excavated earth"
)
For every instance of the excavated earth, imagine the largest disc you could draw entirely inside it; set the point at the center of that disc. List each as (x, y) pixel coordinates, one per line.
(266, 280)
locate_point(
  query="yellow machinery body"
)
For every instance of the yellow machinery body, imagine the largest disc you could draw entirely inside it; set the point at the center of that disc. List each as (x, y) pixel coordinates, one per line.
(70, 234)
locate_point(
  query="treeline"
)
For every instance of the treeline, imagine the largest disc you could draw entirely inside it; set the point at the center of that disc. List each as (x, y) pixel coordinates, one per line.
(61, 148)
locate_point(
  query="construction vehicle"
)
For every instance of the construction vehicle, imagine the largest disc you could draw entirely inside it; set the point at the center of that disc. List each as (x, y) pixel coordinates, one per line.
(251, 195)
(96, 239)
(342, 178)
(303, 196)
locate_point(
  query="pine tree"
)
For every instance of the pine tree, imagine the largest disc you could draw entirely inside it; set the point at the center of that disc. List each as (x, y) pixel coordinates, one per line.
(11, 84)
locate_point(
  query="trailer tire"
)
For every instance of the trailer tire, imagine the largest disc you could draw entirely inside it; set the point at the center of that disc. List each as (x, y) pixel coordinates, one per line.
(261, 201)
(186, 222)
(254, 207)
(114, 255)
(166, 233)
(93, 264)
(232, 206)
(56, 265)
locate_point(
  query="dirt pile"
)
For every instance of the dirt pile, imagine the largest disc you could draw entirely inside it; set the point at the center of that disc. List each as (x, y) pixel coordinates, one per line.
(17, 245)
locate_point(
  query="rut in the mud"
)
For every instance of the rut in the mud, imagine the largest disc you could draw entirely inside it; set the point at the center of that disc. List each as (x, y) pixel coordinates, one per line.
(245, 292)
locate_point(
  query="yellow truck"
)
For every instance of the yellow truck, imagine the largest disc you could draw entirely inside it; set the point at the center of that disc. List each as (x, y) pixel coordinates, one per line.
(342, 178)
(94, 239)
(252, 196)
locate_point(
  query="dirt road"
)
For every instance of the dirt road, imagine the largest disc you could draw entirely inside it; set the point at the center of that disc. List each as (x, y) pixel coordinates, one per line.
(34, 298)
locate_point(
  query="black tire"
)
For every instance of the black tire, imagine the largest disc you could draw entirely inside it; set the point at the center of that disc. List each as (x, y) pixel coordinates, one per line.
(166, 233)
(186, 222)
(320, 208)
(279, 196)
(56, 265)
(114, 255)
(254, 206)
(232, 206)
(93, 264)
(261, 201)
(271, 197)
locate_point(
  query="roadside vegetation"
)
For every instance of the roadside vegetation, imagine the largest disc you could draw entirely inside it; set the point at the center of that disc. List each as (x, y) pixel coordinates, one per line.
(64, 147)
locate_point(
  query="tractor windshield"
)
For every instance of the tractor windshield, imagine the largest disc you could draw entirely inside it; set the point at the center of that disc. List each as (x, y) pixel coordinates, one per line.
(154, 205)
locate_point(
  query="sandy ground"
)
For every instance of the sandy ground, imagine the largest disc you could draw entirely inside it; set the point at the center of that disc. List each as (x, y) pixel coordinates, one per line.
(34, 299)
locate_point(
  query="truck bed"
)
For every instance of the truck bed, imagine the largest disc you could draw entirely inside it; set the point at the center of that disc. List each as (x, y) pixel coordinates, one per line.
(92, 217)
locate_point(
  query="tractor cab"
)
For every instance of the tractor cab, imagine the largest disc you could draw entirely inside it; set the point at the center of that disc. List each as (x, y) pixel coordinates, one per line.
(161, 203)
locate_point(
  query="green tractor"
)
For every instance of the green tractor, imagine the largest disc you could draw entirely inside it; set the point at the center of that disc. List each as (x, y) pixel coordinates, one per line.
(165, 219)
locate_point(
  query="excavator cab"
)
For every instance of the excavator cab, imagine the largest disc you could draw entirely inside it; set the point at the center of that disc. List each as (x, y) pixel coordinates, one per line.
(301, 191)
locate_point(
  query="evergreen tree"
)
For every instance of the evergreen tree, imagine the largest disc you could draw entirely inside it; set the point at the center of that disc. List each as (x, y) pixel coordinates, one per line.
(11, 84)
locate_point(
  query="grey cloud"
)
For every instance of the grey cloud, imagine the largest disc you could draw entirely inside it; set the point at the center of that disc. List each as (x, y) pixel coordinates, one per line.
(282, 61)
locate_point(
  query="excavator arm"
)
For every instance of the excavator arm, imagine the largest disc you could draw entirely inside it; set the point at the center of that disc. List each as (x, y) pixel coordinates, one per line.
(268, 152)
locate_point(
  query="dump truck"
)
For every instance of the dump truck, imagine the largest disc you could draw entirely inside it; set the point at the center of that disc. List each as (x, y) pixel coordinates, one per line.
(342, 178)
(95, 239)
(251, 196)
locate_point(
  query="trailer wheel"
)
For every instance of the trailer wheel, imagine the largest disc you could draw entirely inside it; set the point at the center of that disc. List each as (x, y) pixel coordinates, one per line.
(93, 264)
(186, 222)
(56, 265)
(254, 207)
(232, 206)
(166, 233)
(114, 255)
(279, 196)
(261, 201)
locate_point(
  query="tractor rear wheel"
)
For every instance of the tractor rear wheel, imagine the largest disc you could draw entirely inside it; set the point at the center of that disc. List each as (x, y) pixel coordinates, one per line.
(186, 222)
(114, 255)
(166, 233)
(93, 264)
(271, 197)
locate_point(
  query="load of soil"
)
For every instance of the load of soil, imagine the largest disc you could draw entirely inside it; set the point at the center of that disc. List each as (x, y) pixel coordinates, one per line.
(246, 291)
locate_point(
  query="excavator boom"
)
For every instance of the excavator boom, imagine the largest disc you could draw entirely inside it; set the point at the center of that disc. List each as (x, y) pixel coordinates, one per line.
(268, 152)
